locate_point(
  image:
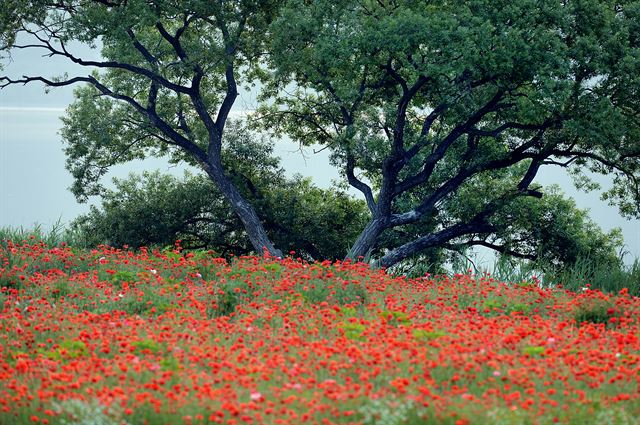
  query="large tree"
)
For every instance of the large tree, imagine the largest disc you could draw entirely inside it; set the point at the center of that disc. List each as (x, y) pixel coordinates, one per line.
(167, 82)
(442, 113)
(156, 209)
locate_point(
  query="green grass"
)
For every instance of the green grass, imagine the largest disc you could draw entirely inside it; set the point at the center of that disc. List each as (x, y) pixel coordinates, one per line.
(603, 277)
(56, 235)
(584, 273)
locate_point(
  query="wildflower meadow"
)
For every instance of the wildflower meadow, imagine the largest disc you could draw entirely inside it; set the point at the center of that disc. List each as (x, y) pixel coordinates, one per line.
(110, 336)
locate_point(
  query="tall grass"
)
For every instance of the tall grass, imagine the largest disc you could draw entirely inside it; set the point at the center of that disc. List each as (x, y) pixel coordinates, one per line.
(606, 278)
(57, 234)
(584, 273)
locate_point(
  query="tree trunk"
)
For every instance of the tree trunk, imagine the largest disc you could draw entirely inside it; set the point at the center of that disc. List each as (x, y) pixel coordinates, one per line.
(245, 211)
(367, 239)
(407, 250)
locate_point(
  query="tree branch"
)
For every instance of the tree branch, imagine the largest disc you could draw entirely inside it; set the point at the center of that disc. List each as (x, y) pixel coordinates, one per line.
(517, 155)
(359, 184)
(431, 161)
(506, 126)
(431, 240)
(499, 248)
(143, 50)
(102, 64)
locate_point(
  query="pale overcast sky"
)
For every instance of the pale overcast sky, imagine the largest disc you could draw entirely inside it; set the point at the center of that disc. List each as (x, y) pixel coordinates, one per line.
(34, 182)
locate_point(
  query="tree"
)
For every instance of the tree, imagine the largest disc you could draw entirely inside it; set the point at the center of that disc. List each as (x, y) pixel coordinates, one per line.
(166, 85)
(157, 209)
(442, 113)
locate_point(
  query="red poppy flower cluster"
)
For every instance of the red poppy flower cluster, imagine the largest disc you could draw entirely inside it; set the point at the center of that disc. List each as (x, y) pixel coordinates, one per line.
(167, 337)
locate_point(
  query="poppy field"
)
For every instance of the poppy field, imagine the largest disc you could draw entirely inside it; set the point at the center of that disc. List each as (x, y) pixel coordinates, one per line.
(170, 337)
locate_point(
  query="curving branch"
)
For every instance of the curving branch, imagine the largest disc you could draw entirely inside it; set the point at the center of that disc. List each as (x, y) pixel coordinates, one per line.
(142, 49)
(451, 185)
(62, 51)
(359, 184)
(507, 126)
(477, 226)
(575, 155)
(149, 111)
(430, 162)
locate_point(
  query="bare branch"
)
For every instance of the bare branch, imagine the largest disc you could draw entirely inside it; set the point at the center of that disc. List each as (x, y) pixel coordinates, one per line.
(359, 184)
(7, 81)
(429, 165)
(575, 155)
(62, 51)
(149, 111)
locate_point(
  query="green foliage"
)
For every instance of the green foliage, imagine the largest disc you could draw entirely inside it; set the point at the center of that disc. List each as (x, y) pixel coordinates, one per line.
(170, 363)
(450, 109)
(121, 276)
(555, 232)
(68, 349)
(147, 303)
(154, 209)
(315, 223)
(533, 350)
(424, 335)
(498, 305)
(353, 330)
(230, 296)
(441, 113)
(146, 346)
(395, 317)
(318, 291)
(57, 234)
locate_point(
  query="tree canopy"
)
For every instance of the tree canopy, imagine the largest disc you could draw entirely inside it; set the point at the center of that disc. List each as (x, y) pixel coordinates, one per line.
(443, 113)
(440, 113)
(166, 84)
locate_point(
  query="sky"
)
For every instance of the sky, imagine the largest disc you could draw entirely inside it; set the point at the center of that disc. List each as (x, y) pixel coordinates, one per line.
(34, 182)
